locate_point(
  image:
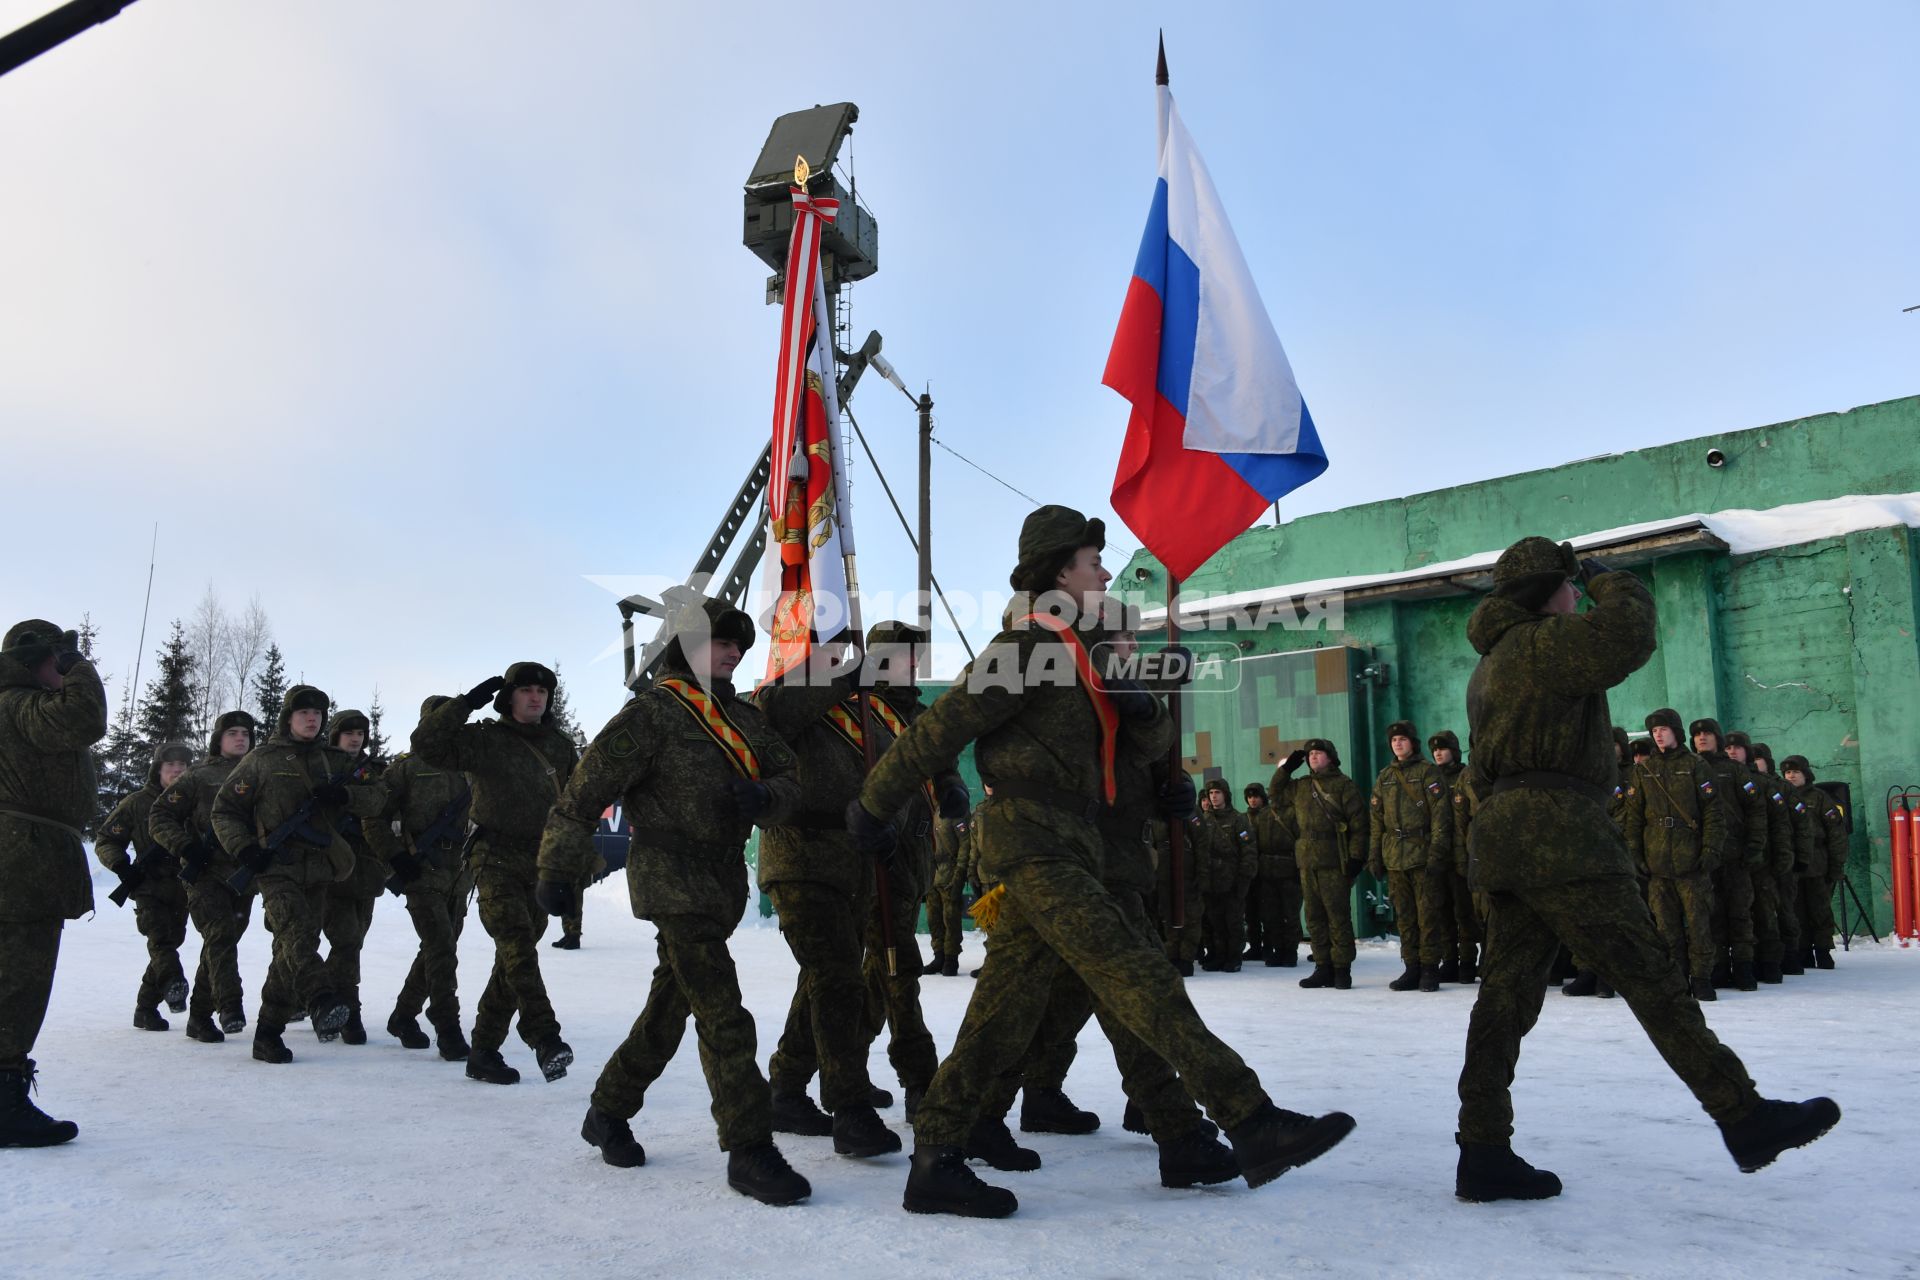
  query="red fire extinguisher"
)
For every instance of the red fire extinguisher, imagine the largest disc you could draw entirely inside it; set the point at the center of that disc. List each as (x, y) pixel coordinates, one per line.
(1902, 831)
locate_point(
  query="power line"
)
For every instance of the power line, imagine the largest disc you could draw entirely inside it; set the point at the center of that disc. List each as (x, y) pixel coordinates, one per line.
(997, 480)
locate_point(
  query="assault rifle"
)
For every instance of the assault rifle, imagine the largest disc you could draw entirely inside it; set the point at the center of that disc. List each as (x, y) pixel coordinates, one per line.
(298, 823)
(447, 821)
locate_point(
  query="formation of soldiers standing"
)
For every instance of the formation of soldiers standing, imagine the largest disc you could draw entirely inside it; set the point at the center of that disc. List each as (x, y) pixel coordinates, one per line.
(848, 776)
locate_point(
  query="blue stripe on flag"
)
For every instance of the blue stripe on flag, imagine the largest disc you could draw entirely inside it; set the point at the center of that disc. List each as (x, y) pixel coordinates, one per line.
(1151, 265)
(1179, 328)
(1274, 475)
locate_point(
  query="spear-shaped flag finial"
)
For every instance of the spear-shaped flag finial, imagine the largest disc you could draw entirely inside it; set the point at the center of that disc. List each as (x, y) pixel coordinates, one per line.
(1160, 72)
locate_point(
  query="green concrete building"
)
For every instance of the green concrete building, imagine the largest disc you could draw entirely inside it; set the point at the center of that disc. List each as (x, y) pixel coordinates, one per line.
(1781, 559)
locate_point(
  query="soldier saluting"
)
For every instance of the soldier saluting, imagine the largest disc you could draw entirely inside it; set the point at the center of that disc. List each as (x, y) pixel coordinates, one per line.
(1553, 867)
(695, 767)
(52, 710)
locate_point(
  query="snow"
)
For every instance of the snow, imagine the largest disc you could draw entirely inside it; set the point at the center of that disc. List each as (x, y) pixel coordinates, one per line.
(1745, 530)
(194, 1158)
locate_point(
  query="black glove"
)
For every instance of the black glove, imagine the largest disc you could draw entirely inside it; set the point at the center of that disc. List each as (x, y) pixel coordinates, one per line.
(1131, 699)
(872, 836)
(330, 792)
(556, 897)
(132, 876)
(406, 869)
(750, 798)
(1591, 569)
(194, 861)
(955, 801)
(1295, 758)
(481, 694)
(253, 856)
(1178, 799)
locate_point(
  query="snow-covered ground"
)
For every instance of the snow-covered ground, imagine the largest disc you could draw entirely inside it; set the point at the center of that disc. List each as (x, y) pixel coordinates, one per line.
(194, 1159)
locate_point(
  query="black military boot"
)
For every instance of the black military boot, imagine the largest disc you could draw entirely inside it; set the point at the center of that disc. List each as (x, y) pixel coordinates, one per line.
(1807, 959)
(1197, 1158)
(269, 1047)
(879, 1099)
(1272, 1141)
(762, 1172)
(1429, 977)
(1772, 1127)
(1604, 990)
(1342, 977)
(232, 1021)
(1209, 963)
(796, 1113)
(857, 1131)
(614, 1137)
(567, 942)
(147, 1018)
(353, 1031)
(1769, 972)
(933, 965)
(910, 1103)
(176, 996)
(554, 1056)
(938, 1181)
(1585, 983)
(1052, 1111)
(21, 1123)
(329, 1013)
(1450, 969)
(1322, 976)
(1409, 979)
(488, 1067)
(1823, 957)
(1132, 1120)
(1703, 989)
(950, 967)
(1490, 1171)
(1470, 964)
(1184, 966)
(1230, 966)
(1722, 975)
(1792, 964)
(407, 1031)
(200, 1027)
(991, 1142)
(452, 1044)
(1743, 977)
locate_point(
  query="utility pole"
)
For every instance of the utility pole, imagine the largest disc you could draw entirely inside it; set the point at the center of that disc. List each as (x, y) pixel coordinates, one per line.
(923, 603)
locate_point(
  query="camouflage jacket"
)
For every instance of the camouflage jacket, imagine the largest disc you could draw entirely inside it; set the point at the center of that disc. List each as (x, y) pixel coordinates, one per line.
(688, 840)
(912, 873)
(1746, 810)
(1412, 821)
(1782, 839)
(516, 771)
(1129, 858)
(1232, 859)
(1327, 818)
(270, 783)
(1466, 801)
(370, 868)
(47, 791)
(1274, 842)
(1617, 803)
(1022, 706)
(128, 824)
(1676, 820)
(1826, 835)
(1537, 702)
(183, 816)
(417, 794)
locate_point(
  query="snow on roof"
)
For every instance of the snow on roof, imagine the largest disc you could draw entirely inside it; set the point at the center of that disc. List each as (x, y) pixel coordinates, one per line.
(1744, 530)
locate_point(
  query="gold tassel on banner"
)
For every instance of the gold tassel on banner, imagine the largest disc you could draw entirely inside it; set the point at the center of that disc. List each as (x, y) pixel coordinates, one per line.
(986, 909)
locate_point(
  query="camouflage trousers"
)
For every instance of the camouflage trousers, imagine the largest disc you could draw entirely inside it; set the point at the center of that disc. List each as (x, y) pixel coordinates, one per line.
(433, 980)
(1766, 916)
(349, 916)
(516, 924)
(1422, 913)
(1733, 924)
(1329, 917)
(1182, 946)
(221, 917)
(570, 923)
(1058, 915)
(945, 912)
(1683, 909)
(296, 978)
(1225, 924)
(162, 921)
(1815, 912)
(1465, 907)
(826, 1017)
(29, 949)
(1275, 905)
(893, 999)
(1606, 921)
(693, 978)
(1786, 902)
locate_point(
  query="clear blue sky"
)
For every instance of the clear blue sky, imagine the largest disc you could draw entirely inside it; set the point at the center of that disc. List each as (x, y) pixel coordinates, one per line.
(411, 317)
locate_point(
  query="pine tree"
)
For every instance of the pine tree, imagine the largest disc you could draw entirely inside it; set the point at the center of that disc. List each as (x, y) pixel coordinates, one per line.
(376, 740)
(167, 714)
(124, 760)
(562, 714)
(269, 691)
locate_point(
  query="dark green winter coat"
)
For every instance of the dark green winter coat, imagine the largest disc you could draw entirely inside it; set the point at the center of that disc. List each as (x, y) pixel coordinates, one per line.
(1746, 809)
(517, 772)
(812, 844)
(1327, 817)
(1231, 858)
(48, 790)
(126, 837)
(1676, 820)
(1274, 843)
(1412, 822)
(417, 794)
(183, 815)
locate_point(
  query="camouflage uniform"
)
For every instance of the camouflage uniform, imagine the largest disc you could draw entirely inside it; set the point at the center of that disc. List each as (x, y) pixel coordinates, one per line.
(350, 902)
(946, 902)
(1826, 845)
(181, 820)
(436, 892)
(687, 873)
(1277, 888)
(1411, 837)
(1786, 834)
(1457, 895)
(516, 772)
(1676, 828)
(1182, 944)
(1328, 821)
(159, 899)
(262, 790)
(1231, 859)
(1039, 744)
(47, 794)
(1735, 931)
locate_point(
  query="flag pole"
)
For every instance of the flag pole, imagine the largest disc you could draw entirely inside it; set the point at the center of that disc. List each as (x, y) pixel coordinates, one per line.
(1176, 832)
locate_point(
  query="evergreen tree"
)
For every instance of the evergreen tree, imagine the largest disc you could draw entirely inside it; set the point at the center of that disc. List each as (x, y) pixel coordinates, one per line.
(562, 714)
(376, 740)
(167, 714)
(124, 760)
(269, 690)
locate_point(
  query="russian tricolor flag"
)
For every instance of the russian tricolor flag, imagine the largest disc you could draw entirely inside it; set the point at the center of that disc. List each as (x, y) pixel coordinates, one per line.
(1219, 430)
